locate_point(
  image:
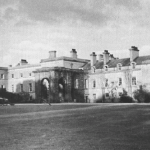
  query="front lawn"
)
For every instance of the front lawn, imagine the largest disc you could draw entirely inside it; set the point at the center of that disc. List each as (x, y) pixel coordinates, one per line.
(75, 127)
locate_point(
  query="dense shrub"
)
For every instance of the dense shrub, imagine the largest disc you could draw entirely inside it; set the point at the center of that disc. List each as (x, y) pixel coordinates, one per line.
(126, 99)
(142, 95)
(99, 101)
(15, 97)
(24, 97)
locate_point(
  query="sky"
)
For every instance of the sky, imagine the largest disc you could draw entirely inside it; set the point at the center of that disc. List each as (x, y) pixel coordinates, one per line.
(29, 29)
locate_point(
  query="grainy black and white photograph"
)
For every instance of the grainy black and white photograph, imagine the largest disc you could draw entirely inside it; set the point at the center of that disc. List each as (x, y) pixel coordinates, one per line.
(74, 74)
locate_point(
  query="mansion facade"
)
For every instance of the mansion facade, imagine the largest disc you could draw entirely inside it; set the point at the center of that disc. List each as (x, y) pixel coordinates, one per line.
(71, 79)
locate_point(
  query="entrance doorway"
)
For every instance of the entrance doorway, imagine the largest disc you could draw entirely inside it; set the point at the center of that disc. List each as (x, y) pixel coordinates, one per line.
(86, 99)
(45, 90)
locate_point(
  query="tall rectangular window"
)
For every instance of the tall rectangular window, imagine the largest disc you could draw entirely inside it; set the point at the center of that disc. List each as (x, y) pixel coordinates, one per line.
(76, 83)
(12, 88)
(21, 87)
(2, 76)
(31, 97)
(30, 87)
(120, 81)
(86, 83)
(21, 74)
(133, 80)
(119, 66)
(12, 75)
(94, 84)
(94, 96)
(106, 82)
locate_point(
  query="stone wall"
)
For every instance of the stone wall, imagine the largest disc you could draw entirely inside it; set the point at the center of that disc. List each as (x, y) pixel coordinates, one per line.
(67, 76)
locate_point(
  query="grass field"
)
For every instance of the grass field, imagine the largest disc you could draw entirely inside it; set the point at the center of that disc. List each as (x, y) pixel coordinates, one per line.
(75, 127)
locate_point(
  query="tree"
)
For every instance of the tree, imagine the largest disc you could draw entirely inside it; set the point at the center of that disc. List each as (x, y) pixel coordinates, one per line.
(142, 95)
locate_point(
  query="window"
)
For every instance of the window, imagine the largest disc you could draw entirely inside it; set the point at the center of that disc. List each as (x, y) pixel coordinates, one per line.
(2, 86)
(94, 83)
(120, 82)
(133, 65)
(30, 87)
(107, 95)
(94, 96)
(21, 74)
(31, 97)
(30, 74)
(106, 82)
(21, 87)
(12, 88)
(112, 84)
(119, 66)
(76, 83)
(120, 93)
(133, 80)
(86, 83)
(71, 65)
(2, 76)
(12, 75)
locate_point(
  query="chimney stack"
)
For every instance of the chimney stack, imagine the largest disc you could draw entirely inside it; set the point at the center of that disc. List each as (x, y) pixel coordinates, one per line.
(23, 62)
(106, 56)
(73, 53)
(134, 52)
(52, 54)
(93, 59)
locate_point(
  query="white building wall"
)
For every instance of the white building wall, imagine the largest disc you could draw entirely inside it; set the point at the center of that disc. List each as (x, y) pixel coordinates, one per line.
(57, 63)
(141, 72)
(143, 77)
(28, 77)
(4, 80)
(95, 93)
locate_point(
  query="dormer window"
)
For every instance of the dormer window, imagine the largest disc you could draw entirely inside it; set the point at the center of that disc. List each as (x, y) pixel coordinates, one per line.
(106, 68)
(119, 66)
(133, 80)
(133, 64)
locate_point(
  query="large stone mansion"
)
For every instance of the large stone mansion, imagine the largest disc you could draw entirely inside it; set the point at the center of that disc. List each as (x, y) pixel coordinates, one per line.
(71, 79)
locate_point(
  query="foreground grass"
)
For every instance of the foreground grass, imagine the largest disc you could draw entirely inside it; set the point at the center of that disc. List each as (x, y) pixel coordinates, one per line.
(75, 127)
(28, 108)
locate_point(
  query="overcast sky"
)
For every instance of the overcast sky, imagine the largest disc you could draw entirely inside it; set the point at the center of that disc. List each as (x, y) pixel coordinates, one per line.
(31, 28)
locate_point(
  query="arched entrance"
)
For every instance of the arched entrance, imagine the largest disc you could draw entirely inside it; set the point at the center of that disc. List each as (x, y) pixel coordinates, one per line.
(45, 90)
(61, 89)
